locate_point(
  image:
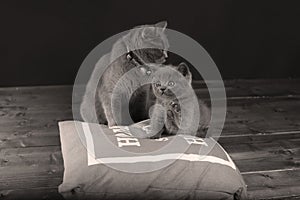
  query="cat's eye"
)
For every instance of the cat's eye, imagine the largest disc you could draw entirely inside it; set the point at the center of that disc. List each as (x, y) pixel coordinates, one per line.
(171, 83)
(157, 84)
(148, 72)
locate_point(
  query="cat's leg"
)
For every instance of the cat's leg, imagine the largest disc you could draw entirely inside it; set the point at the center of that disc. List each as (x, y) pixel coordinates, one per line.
(205, 114)
(170, 124)
(138, 132)
(158, 135)
(157, 121)
(189, 119)
(106, 105)
(116, 109)
(205, 117)
(86, 109)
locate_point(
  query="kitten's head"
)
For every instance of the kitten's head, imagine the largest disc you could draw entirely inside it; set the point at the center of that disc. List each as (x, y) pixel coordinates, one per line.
(151, 42)
(169, 82)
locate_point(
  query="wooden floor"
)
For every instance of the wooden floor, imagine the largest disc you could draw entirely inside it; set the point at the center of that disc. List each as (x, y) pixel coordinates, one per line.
(262, 134)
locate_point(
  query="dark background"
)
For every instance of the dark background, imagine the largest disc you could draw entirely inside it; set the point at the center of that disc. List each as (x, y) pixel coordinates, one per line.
(44, 42)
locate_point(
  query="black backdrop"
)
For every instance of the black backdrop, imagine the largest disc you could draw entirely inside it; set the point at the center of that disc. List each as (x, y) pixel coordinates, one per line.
(44, 42)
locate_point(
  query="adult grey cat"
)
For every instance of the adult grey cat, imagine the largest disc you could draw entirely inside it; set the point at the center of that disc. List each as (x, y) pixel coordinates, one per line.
(144, 44)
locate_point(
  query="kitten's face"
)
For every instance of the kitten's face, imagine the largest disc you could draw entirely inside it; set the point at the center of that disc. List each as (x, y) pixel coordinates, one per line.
(155, 39)
(170, 82)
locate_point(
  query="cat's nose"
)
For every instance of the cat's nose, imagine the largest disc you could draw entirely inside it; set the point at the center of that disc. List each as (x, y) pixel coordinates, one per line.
(163, 88)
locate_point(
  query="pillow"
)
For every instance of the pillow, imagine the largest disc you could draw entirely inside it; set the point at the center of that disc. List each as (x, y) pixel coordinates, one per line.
(108, 163)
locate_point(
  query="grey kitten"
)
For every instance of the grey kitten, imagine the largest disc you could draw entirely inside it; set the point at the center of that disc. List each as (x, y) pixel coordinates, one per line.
(170, 88)
(147, 35)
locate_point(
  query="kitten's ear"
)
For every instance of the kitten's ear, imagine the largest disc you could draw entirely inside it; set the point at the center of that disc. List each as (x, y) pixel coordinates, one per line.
(162, 25)
(183, 69)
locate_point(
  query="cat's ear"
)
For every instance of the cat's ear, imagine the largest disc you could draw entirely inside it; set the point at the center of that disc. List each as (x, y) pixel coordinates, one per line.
(183, 69)
(162, 25)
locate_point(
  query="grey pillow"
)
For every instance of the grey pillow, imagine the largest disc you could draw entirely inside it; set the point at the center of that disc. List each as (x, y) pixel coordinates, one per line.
(103, 163)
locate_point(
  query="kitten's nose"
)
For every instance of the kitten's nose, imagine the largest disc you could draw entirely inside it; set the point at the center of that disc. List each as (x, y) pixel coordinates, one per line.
(163, 88)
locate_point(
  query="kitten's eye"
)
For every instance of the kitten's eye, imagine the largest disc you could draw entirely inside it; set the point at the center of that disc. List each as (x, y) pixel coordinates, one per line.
(157, 84)
(171, 83)
(148, 72)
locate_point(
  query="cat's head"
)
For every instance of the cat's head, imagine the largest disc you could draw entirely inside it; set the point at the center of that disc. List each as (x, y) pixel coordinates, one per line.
(151, 42)
(169, 82)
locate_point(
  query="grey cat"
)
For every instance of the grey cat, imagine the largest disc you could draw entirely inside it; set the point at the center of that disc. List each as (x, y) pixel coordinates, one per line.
(154, 39)
(170, 89)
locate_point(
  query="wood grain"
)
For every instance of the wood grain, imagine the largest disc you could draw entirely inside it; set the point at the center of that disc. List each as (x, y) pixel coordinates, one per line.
(47, 193)
(274, 184)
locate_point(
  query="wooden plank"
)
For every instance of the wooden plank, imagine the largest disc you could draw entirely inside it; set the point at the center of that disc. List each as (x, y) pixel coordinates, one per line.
(269, 187)
(252, 138)
(255, 87)
(31, 193)
(264, 160)
(262, 115)
(49, 155)
(30, 177)
(261, 185)
(29, 96)
(278, 184)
